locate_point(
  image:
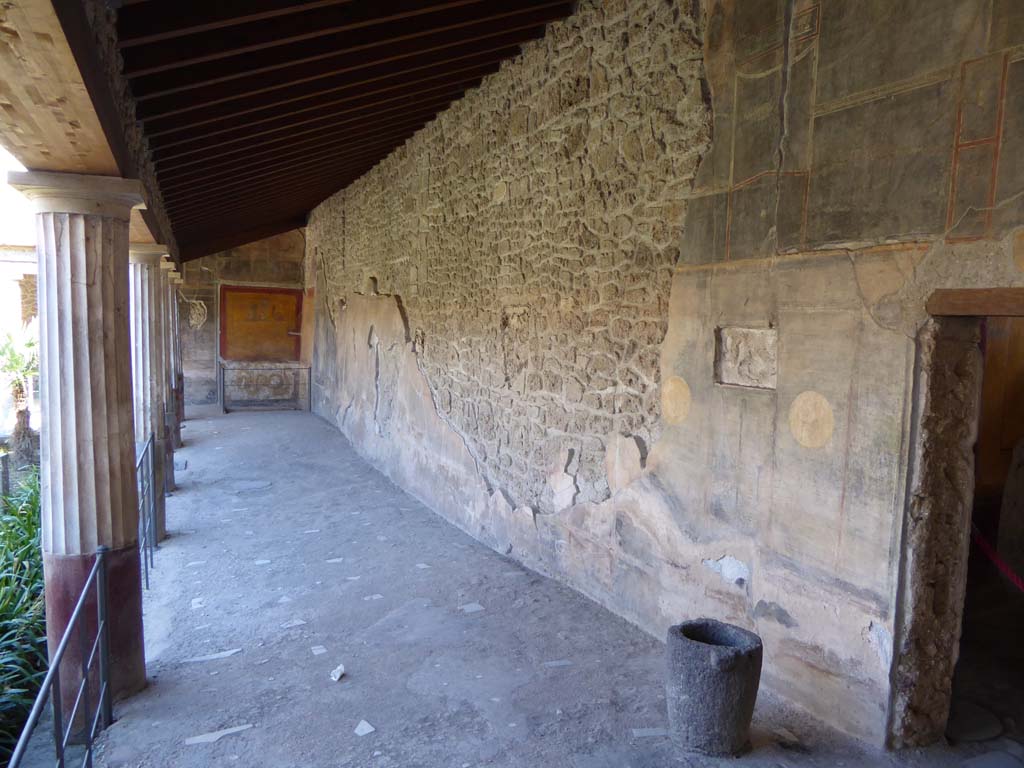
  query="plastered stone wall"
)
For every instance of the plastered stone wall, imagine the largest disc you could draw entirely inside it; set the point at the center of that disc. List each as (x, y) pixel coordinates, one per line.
(274, 262)
(683, 377)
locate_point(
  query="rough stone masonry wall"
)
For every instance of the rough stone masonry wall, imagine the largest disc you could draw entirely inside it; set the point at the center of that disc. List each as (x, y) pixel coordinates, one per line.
(531, 234)
(690, 391)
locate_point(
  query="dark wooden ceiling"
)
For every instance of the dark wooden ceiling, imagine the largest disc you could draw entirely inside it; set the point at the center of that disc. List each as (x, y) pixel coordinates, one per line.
(257, 110)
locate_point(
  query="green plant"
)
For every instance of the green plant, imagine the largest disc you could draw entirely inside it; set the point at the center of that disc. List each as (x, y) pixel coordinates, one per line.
(19, 361)
(22, 615)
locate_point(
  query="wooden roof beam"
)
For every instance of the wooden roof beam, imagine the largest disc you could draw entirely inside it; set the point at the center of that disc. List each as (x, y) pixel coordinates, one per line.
(147, 23)
(218, 166)
(252, 189)
(324, 53)
(240, 189)
(289, 200)
(370, 144)
(194, 250)
(352, 69)
(318, 120)
(198, 165)
(259, 35)
(266, 109)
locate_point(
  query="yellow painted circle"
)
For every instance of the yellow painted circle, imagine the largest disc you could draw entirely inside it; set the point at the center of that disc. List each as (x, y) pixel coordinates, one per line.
(811, 419)
(675, 400)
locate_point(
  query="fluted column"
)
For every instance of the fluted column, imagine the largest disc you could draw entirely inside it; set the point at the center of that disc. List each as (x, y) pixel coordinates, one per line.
(148, 366)
(167, 439)
(177, 378)
(87, 437)
(141, 260)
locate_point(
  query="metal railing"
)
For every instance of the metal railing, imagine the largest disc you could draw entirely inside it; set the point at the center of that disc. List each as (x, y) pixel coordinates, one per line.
(147, 508)
(95, 653)
(257, 388)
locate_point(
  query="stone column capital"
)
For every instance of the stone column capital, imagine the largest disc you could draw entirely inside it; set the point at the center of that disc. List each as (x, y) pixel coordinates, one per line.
(149, 254)
(77, 193)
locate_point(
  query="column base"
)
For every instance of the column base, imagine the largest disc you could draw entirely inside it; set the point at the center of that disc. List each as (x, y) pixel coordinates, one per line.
(181, 398)
(159, 488)
(65, 576)
(169, 483)
(179, 410)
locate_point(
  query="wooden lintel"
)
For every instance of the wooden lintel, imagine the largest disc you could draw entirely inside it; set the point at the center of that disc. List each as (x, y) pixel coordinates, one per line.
(976, 302)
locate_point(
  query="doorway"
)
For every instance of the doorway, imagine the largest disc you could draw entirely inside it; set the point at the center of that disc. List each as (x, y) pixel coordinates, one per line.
(988, 682)
(937, 537)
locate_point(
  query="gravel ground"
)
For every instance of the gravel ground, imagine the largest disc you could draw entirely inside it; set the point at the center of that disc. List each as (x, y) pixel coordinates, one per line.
(289, 555)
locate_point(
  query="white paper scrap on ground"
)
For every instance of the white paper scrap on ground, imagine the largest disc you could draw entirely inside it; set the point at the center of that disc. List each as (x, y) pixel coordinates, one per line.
(197, 602)
(214, 656)
(338, 672)
(471, 608)
(364, 728)
(336, 560)
(262, 562)
(318, 650)
(209, 738)
(292, 623)
(373, 597)
(422, 566)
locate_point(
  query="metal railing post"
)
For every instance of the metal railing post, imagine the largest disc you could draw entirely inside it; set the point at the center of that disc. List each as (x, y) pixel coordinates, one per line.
(83, 642)
(103, 627)
(151, 468)
(221, 386)
(5, 474)
(58, 717)
(95, 653)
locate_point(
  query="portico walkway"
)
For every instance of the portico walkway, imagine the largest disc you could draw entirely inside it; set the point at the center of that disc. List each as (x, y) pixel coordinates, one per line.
(289, 555)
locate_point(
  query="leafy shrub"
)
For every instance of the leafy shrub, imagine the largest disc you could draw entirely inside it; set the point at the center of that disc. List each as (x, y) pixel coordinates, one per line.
(19, 361)
(22, 617)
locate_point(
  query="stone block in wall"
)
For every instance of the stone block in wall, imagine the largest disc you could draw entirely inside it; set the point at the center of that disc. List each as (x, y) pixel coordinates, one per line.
(746, 357)
(971, 190)
(759, 26)
(704, 233)
(1010, 174)
(758, 127)
(887, 187)
(200, 390)
(266, 385)
(907, 40)
(766, 215)
(1007, 24)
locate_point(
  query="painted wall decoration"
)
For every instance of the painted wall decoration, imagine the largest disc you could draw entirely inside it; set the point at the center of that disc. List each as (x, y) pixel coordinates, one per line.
(260, 324)
(677, 367)
(197, 312)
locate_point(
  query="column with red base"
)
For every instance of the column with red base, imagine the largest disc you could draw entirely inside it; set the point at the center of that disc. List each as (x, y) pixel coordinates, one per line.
(87, 451)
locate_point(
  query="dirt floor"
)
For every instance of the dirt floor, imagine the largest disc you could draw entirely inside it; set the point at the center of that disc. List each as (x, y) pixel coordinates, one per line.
(290, 556)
